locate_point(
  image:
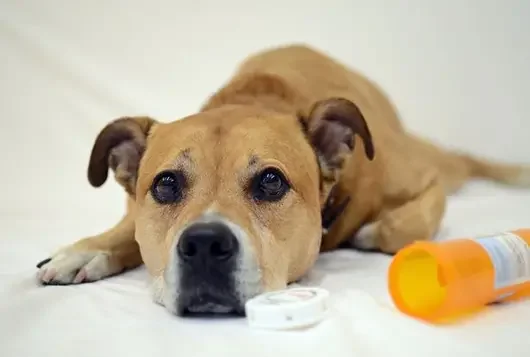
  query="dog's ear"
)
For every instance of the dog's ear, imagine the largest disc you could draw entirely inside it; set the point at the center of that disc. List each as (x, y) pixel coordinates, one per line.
(120, 146)
(331, 127)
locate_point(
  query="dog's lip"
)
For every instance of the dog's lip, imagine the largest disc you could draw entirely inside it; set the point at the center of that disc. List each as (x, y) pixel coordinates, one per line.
(209, 304)
(210, 307)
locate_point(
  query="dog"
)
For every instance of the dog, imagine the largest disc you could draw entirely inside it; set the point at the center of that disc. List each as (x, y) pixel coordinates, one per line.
(295, 155)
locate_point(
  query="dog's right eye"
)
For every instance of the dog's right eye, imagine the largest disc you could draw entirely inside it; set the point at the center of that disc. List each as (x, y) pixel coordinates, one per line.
(168, 187)
(270, 185)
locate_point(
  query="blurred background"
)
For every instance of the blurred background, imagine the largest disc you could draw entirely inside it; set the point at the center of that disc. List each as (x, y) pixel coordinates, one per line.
(458, 71)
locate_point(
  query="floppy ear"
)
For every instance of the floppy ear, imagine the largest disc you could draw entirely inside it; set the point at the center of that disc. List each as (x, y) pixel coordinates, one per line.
(331, 127)
(120, 146)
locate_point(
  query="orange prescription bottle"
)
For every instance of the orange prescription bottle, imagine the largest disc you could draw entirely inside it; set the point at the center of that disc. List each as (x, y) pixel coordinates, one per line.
(437, 281)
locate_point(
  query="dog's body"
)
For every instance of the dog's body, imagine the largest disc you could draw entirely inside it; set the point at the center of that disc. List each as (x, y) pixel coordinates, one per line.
(251, 174)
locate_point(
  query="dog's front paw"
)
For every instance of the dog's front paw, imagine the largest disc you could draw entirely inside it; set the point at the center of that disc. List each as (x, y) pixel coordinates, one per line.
(74, 267)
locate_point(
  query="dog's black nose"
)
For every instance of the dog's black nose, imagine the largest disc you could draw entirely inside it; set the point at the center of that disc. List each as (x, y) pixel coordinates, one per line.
(203, 242)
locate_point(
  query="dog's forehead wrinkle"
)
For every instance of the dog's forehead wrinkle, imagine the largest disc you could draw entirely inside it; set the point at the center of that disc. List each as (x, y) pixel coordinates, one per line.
(218, 149)
(218, 131)
(186, 154)
(253, 160)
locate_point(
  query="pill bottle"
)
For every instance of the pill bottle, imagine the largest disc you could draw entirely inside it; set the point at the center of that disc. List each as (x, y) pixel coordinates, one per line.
(441, 281)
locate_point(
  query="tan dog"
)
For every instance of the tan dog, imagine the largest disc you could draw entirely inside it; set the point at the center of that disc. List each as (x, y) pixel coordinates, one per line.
(293, 156)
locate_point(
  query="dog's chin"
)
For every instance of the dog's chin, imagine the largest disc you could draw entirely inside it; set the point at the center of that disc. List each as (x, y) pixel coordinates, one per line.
(203, 303)
(204, 299)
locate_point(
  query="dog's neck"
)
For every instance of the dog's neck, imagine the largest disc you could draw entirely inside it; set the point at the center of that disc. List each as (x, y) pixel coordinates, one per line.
(333, 208)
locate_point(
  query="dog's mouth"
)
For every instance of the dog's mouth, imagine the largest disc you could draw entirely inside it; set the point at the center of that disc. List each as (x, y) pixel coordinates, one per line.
(208, 304)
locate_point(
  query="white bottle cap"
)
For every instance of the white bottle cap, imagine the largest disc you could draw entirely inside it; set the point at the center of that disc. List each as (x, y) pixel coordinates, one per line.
(287, 309)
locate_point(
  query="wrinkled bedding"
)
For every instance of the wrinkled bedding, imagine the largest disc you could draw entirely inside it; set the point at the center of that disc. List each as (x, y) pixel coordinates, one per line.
(117, 317)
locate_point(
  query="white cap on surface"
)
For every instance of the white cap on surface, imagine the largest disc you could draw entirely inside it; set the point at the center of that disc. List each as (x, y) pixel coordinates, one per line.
(287, 309)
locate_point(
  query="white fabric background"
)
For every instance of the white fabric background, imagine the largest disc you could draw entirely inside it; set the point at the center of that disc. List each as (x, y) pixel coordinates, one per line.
(457, 70)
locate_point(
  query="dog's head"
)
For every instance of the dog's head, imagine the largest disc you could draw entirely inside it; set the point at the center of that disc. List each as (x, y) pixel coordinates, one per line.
(228, 201)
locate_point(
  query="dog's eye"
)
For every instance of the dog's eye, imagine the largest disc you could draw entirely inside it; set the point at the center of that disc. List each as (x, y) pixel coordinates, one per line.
(270, 185)
(168, 187)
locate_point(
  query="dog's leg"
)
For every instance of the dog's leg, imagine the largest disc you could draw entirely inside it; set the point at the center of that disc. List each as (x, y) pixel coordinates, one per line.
(119, 146)
(416, 217)
(93, 258)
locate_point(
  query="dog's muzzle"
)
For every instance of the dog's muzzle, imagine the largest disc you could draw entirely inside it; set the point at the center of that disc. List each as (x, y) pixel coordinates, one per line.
(207, 255)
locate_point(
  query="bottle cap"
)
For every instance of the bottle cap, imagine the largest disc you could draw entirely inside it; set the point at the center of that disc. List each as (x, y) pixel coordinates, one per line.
(287, 309)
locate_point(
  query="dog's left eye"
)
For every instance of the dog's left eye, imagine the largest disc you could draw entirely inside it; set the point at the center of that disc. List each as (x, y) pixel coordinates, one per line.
(269, 185)
(168, 187)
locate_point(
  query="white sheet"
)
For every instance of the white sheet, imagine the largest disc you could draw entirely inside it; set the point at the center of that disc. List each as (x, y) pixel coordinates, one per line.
(116, 317)
(70, 67)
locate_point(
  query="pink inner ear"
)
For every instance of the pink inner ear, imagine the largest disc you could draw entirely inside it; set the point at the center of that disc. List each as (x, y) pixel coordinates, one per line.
(124, 160)
(343, 119)
(125, 156)
(131, 130)
(330, 138)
